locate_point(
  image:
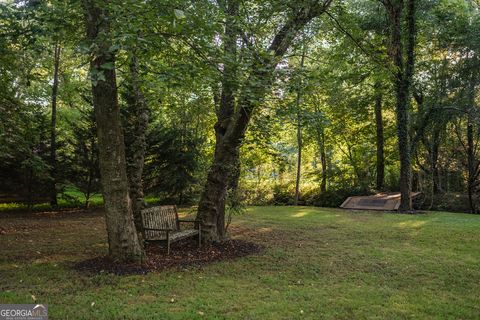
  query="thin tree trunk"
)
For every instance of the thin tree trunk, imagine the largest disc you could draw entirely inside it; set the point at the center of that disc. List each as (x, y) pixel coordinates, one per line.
(91, 170)
(323, 159)
(299, 159)
(471, 165)
(136, 160)
(380, 141)
(124, 244)
(320, 131)
(437, 130)
(29, 188)
(299, 134)
(437, 186)
(409, 68)
(89, 188)
(53, 129)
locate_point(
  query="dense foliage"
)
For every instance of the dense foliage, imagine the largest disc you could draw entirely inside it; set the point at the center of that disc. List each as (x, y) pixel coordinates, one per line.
(328, 96)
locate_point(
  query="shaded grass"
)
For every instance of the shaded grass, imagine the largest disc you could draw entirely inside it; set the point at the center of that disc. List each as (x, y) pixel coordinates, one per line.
(319, 264)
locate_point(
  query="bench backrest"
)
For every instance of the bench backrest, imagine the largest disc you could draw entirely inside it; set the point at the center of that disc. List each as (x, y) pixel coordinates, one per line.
(160, 217)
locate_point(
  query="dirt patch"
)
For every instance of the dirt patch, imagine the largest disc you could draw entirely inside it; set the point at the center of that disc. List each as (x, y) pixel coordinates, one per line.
(183, 254)
(61, 213)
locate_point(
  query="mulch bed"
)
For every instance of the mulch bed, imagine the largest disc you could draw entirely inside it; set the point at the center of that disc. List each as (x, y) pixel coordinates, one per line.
(183, 254)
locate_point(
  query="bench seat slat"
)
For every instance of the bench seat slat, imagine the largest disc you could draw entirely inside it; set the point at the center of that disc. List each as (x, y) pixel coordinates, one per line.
(183, 234)
(178, 235)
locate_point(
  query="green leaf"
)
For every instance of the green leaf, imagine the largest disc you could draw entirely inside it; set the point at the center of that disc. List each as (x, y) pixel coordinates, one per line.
(114, 48)
(101, 76)
(107, 66)
(179, 14)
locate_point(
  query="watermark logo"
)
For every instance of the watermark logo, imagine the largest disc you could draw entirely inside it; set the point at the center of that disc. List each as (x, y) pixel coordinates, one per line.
(23, 312)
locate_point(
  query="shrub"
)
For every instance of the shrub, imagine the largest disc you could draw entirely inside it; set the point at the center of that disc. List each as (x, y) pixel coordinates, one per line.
(283, 195)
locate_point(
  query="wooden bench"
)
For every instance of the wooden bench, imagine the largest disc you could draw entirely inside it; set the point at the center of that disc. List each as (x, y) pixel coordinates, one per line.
(161, 223)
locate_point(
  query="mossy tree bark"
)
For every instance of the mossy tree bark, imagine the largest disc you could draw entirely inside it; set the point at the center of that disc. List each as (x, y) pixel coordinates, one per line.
(472, 162)
(403, 73)
(124, 244)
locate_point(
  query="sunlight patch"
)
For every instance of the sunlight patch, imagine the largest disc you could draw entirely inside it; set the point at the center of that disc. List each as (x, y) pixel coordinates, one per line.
(301, 214)
(411, 224)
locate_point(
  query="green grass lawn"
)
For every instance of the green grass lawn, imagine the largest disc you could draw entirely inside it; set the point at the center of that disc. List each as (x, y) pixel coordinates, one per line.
(318, 264)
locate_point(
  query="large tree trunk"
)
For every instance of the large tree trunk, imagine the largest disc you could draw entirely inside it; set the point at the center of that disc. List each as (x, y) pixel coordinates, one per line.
(403, 146)
(53, 128)
(138, 119)
(379, 139)
(211, 209)
(472, 162)
(124, 244)
(403, 78)
(225, 163)
(232, 122)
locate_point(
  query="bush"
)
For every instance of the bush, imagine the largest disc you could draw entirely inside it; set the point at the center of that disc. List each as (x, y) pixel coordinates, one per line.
(451, 201)
(283, 195)
(254, 195)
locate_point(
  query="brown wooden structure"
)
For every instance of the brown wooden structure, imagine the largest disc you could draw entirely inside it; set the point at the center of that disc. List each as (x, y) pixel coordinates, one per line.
(381, 201)
(162, 224)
